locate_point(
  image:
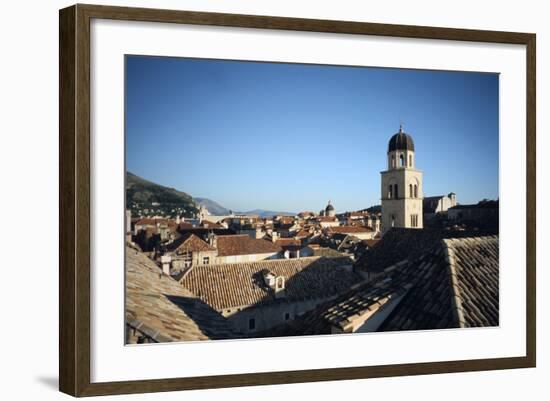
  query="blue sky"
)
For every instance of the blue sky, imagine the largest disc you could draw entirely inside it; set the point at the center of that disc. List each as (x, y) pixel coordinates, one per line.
(289, 137)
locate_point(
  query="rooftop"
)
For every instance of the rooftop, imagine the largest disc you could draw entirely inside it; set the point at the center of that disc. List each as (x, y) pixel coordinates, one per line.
(350, 229)
(241, 284)
(230, 245)
(405, 243)
(189, 243)
(159, 307)
(454, 284)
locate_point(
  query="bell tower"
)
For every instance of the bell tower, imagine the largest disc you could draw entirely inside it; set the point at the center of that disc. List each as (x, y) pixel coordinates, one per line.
(401, 185)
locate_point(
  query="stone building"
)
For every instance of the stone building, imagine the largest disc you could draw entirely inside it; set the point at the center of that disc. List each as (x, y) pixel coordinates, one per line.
(256, 296)
(434, 206)
(401, 185)
(189, 250)
(327, 221)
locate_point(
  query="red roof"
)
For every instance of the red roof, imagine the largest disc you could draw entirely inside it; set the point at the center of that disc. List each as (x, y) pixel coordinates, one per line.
(230, 245)
(184, 225)
(350, 229)
(190, 243)
(146, 221)
(323, 219)
(209, 224)
(287, 242)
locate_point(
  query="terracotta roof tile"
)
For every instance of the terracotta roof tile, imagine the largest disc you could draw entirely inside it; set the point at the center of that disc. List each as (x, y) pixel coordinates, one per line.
(189, 243)
(240, 284)
(405, 243)
(161, 309)
(350, 229)
(454, 284)
(326, 219)
(229, 245)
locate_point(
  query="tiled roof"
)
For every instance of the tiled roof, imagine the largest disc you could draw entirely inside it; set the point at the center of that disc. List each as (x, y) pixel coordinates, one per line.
(184, 225)
(240, 284)
(287, 242)
(324, 219)
(229, 245)
(209, 224)
(454, 284)
(326, 252)
(189, 243)
(160, 308)
(404, 243)
(350, 229)
(302, 234)
(146, 221)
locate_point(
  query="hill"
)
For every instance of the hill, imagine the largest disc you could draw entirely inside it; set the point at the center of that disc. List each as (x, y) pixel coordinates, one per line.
(145, 198)
(267, 213)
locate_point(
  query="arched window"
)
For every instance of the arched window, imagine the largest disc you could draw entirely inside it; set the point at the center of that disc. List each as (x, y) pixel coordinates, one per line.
(390, 192)
(401, 161)
(395, 192)
(416, 191)
(393, 220)
(393, 160)
(410, 160)
(411, 190)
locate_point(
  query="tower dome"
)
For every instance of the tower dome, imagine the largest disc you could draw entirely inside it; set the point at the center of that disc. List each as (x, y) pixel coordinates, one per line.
(401, 141)
(329, 210)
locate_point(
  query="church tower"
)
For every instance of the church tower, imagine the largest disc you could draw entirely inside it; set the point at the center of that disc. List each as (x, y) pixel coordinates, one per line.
(401, 185)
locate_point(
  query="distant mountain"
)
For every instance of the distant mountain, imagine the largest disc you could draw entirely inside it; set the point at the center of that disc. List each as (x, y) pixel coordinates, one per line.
(146, 198)
(213, 207)
(267, 213)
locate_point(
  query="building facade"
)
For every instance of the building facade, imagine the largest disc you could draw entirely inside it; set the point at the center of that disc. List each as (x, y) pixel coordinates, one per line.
(401, 185)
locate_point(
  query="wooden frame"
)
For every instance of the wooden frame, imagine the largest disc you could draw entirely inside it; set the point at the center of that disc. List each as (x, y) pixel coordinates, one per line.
(74, 202)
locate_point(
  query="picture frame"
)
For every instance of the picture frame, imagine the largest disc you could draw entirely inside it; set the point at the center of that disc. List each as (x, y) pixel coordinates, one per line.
(75, 201)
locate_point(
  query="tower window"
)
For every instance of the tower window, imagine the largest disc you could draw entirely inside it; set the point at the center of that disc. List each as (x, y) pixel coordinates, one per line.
(393, 160)
(410, 161)
(401, 161)
(411, 190)
(390, 192)
(414, 220)
(416, 191)
(393, 220)
(395, 192)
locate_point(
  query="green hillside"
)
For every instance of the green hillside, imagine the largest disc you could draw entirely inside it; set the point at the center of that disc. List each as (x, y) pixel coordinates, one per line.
(145, 198)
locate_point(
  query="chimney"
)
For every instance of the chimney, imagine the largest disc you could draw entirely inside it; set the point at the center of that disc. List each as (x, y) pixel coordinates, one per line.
(279, 287)
(276, 283)
(165, 260)
(213, 240)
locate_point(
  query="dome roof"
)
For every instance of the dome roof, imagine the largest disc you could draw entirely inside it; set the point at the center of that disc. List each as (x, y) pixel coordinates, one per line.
(401, 141)
(329, 207)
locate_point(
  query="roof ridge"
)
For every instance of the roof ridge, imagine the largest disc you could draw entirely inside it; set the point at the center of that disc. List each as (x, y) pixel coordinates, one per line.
(267, 261)
(456, 300)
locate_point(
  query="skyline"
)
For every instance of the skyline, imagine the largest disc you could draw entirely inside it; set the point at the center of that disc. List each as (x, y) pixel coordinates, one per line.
(295, 136)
